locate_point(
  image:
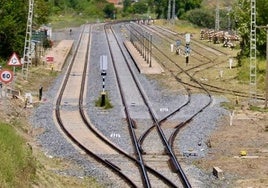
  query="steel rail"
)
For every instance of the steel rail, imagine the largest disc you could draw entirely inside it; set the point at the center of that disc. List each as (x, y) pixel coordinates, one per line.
(69, 135)
(138, 86)
(169, 151)
(145, 178)
(218, 89)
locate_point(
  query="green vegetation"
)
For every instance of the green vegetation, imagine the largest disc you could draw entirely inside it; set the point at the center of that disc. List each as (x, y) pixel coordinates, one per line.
(241, 15)
(107, 104)
(243, 74)
(16, 160)
(13, 20)
(259, 109)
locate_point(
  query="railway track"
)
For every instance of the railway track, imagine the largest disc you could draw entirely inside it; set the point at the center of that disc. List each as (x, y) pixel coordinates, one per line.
(74, 122)
(172, 159)
(178, 126)
(170, 37)
(132, 123)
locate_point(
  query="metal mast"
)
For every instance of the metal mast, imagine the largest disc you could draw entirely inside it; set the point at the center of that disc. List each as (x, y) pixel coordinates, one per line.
(217, 17)
(169, 7)
(252, 73)
(266, 77)
(27, 54)
(173, 10)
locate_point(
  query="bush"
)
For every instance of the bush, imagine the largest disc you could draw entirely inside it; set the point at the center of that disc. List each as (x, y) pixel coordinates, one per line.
(200, 17)
(107, 102)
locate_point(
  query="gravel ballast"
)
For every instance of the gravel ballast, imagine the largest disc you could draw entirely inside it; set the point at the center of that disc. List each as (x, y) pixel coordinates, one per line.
(112, 123)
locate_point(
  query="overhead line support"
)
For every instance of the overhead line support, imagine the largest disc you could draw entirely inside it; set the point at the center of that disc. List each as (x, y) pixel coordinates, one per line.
(27, 54)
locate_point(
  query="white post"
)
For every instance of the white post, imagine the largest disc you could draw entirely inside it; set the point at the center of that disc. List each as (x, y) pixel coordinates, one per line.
(231, 118)
(221, 73)
(171, 47)
(230, 63)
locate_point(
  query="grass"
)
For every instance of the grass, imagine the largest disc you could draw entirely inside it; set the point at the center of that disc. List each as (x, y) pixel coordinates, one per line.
(181, 26)
(107, 103)
(17, 165)
(69, 20)
(243, 74)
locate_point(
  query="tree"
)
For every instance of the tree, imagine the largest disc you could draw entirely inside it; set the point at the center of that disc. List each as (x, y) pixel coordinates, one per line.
(12, 26)
(181, 7)
(126, 5)
(109, 10)
(161, 8)
(13, 22)
(241, 15)
(140, 7)
(201, 18)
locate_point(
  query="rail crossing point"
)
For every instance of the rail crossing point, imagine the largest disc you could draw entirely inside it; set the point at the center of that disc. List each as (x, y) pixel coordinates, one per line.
(6, 76)
(14, 60)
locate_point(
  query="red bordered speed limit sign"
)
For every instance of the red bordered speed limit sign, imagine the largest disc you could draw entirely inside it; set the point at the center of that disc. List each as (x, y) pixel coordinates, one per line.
(6, 76)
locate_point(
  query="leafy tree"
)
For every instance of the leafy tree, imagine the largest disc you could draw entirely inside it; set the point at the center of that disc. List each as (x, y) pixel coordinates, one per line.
(126, 5)
(140, 7)
(13, 19)
(161, 7)
(109, 10)
(241, 15)
(184, 6)
(41, 12)
(13, 16)
(201, 17)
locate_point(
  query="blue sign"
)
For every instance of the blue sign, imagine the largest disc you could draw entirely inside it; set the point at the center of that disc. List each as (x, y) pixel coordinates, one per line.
(178, 43)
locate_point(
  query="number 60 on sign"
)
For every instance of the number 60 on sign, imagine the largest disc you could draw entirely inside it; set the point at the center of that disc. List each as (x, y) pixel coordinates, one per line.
(6, 76)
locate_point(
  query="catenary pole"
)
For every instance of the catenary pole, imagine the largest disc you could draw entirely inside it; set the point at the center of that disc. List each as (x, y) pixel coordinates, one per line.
(266, 77)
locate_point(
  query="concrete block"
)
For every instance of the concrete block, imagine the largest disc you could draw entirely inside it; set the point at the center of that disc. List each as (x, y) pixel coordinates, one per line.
(218, 172)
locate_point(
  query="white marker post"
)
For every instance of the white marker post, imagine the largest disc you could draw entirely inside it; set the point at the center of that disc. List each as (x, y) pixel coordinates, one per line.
(221, 73)
(230, 63)
(231, 117)
(103, 69)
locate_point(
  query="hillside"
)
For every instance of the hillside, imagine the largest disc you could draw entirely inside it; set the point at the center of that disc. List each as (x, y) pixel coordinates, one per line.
(222, 3)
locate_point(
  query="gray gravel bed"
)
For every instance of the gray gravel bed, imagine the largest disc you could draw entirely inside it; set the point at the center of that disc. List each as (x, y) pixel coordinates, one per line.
(112, 122)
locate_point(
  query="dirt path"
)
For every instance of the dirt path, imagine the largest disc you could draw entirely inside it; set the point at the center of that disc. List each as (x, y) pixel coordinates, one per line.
(249, 132)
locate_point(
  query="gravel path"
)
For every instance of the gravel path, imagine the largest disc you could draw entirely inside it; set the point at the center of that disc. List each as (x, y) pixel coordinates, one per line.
(110, 122)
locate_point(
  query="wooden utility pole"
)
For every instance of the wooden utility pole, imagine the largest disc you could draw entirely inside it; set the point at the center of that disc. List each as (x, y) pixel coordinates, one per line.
(266, 79)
